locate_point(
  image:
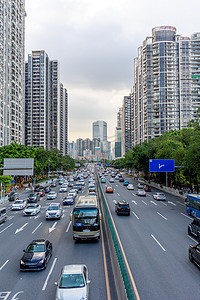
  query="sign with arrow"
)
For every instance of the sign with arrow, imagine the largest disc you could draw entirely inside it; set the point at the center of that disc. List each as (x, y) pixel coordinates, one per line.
(20, 229)
(53, 227)
(161, 165)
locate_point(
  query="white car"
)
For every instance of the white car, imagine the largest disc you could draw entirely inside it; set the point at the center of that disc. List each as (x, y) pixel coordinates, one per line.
(73, 283)
(72, 194)
(54, 211)
(32, 209)
(159, 196)
(82, 182)
(19, 204)
(63, 189)
(130, 186)
(52, 195)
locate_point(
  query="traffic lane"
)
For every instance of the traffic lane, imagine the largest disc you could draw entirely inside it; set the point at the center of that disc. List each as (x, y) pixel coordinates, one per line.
(163, 230)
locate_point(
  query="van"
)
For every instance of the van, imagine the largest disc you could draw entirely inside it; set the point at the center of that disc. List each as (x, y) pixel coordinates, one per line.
(3, 215)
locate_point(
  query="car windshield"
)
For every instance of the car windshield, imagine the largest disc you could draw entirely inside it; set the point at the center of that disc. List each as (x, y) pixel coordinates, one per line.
(31, 207)
(86, 217)
(35, 248)
(18, 202)
(52, 193)
(72, 281)
(55, 207)
(32, 195)
(123, 205)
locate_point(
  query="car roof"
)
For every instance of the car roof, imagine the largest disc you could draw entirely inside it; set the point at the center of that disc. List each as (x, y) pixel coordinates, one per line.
(123, 203)
(72, 269)
(52, 204)
(39, 241)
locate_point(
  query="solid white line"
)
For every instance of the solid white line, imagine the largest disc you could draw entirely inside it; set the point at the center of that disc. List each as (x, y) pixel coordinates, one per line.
(6, 228)
(192, 239)
(135, 215)
(158, 242)
(180, 203)
(69, 226)
(161, 215)
(144, 202)
(37, 228)
(186, 216)
(47, 279)
(4, 264)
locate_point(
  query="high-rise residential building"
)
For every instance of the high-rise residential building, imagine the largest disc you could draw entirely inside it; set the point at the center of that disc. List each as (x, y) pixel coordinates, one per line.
(195, 72)
(126, 124)
(99, 129)
(161, 94)
(118, 134)
(46, 104)
(12, 29)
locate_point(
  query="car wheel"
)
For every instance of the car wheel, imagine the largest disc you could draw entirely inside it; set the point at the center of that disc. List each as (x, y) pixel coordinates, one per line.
(45, 264)
(189, 231)
(190, 256)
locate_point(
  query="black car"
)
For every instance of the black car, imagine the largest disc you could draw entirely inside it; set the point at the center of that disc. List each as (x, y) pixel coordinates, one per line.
(194, 228)
(194, 253)
(33, 198)
(13, 196)
(36, 255)
(122, 208)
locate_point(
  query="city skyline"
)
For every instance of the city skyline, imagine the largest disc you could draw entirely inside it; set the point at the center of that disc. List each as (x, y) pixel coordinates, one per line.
(97, 49)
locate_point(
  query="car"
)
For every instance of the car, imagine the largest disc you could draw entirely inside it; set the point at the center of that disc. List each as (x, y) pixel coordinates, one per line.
(63, 189)
(3, 215)
(18, 204)
(52, 195)
(140, 186)
(109, 189)
(54, 211)
(141, 193)
(117, 177)
(47, 189)
(126, 183)
(33, 198)
(36, 256)
(72, 193)
(194, 254)
(130, 186)
(121, 179)
(194, 228)
(112, 180)
(40, 191)
(103, 180)
(53, 184)
(147, 188)
(73, 283)
(68, 200)
(122, 208)
(31, 209)
(13, 196)
(159, 196)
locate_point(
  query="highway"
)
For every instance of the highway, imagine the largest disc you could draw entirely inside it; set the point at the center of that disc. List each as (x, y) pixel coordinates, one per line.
(155, 241)
(18, 231)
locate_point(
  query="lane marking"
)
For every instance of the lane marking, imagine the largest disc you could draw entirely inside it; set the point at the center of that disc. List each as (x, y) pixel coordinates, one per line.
(118, 194)
(135, 215)
(180, 203)
(105, 265)
(48, 276)
(22, 228)
(163, 203)
(192, 239)
(53, 227)
(153, 202)
(37, 228)
(134, 202)
(6, 228)
(4, 264)
(69, 226)
(172, 203)
(144, 202)
(158, 242)
(161, 215)
(186, 216)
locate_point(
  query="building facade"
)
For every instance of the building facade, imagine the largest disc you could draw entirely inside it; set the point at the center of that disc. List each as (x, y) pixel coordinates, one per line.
(99, 130)
(46, 104)
(12, 32)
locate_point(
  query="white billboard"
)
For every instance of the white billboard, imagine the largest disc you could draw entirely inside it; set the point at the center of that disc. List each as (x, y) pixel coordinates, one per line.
(18, 166)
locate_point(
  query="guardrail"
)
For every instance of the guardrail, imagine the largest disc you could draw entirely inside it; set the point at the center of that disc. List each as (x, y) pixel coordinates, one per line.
(122, 281)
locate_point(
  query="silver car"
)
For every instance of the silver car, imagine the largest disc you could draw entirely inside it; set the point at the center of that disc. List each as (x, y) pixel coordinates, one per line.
(159, 196)
(54, 211)
(73, 283)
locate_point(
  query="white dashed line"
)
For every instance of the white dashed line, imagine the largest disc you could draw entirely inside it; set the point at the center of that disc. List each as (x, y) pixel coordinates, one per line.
(135, 215)
(158, 242)
(161, 215)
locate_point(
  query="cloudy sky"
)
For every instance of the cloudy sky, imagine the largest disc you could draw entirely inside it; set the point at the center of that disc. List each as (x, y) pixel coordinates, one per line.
(95, 43)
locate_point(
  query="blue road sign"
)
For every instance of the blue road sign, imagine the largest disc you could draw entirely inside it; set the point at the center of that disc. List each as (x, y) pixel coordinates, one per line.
(161, 165)
(107, 164)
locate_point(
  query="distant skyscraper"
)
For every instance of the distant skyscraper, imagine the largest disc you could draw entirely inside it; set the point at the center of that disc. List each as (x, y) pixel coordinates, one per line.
(46, 104)
(195, 72)
(12, 18)
(99, 129)
(126, 124)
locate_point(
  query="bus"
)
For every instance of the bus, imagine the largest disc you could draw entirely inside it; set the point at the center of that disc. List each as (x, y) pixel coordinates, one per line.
(193, 205)
(86, 218)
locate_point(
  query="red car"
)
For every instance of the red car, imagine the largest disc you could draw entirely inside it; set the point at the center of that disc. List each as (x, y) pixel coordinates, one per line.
(41, 192)
(121, 180)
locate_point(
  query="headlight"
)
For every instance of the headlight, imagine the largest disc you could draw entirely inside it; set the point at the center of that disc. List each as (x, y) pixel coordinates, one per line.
(22, 262)
(41, 261)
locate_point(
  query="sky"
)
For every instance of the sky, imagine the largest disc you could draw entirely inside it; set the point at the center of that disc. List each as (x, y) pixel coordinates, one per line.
(95, 43)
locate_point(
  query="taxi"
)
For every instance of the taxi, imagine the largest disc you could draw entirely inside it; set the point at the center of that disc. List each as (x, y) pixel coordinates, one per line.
(109, 189)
